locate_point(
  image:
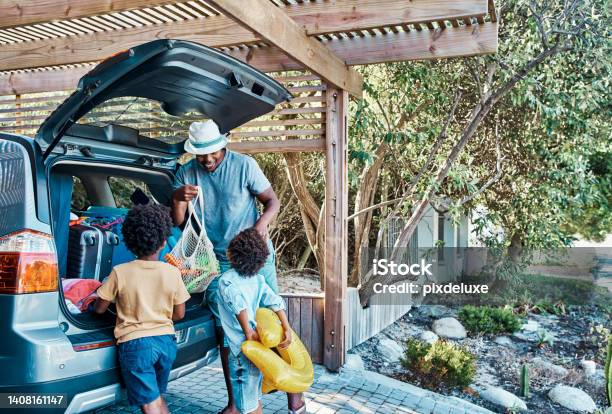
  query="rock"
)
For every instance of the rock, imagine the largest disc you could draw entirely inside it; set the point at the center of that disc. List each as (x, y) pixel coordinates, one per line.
(530, 326)
(429, 337)
(596, 379)
(434, 311)
(504, 341)
(589, 367)
(572, 398)
(390, 350)
(526, 336)
(354, 362)
(449, 328)
(503, 398)
(548, 368)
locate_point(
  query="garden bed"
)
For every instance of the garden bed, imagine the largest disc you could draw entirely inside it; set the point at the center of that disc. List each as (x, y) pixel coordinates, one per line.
(553, 344)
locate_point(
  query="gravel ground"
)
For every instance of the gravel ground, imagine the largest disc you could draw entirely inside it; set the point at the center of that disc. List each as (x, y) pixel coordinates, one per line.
(579, 334)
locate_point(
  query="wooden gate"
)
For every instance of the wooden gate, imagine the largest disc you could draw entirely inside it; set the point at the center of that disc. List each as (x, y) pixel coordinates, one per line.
(305, 314)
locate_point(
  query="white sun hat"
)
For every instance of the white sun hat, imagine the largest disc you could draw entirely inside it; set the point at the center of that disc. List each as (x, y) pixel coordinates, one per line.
(205, 138)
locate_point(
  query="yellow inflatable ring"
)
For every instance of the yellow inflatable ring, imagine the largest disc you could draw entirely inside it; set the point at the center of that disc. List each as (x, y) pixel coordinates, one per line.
(292, 371)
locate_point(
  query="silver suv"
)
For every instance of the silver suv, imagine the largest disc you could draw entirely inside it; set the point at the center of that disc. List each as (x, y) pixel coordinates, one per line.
(45, 348)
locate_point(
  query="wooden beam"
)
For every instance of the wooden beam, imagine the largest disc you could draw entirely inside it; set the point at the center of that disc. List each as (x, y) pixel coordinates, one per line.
(451, 42)
(212, 31)
(290, 145)
(217, 31)
(349, 15)
(12, 83)
(272, 24)
(336, 231)
(19, 13)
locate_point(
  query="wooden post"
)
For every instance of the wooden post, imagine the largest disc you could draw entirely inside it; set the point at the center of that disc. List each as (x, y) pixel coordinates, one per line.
(336, 210)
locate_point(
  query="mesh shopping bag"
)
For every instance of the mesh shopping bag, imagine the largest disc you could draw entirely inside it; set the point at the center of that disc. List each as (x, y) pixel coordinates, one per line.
(193, 253)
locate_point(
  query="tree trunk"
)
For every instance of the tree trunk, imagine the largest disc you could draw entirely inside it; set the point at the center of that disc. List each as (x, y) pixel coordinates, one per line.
(516, 248)
(304, 257)
(365, 198)
(310, 212)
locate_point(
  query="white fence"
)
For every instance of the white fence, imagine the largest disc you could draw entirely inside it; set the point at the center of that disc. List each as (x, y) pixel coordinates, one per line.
(362, 324)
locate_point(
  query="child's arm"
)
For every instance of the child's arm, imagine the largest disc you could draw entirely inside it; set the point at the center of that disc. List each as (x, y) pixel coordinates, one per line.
(180, 297)
(286, 328)
(272, 300)
(178, 312)
(243, 320)
(106, 293)
(101, 305)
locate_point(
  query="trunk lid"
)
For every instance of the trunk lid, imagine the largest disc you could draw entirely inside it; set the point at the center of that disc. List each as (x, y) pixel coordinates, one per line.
(184, 77)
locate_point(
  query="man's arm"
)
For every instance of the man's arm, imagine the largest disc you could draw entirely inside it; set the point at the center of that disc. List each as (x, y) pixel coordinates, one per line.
(180, 198)
(243, 320)
(271, 206)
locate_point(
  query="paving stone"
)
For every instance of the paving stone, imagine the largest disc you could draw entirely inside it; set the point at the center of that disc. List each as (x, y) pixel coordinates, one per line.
(426, 404)
(369, 386)
(376, 400)
(442, 408)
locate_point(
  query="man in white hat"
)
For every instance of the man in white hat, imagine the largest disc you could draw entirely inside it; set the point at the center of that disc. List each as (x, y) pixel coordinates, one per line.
(231, 185)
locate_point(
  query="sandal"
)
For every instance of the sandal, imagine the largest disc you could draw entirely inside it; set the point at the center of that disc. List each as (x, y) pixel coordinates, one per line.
(301, 410)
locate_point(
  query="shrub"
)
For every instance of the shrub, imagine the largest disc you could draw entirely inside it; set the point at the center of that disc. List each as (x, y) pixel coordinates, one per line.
(441, 362)
(545, 338)
(485, 319)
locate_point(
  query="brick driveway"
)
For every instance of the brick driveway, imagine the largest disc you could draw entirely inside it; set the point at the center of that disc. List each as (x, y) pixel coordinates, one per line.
(203, 391)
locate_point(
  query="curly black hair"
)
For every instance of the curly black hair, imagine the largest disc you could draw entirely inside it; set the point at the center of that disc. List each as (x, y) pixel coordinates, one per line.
(248, 252)
(146, 228)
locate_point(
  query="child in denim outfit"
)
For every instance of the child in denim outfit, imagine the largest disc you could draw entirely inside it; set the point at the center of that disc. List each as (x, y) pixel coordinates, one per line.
(243, 290)
(149, 296)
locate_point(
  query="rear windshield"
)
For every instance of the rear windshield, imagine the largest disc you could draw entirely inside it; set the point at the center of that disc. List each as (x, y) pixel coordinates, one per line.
(142, 114)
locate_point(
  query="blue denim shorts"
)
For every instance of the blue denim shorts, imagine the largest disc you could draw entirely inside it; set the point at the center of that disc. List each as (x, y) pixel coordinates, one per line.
(268, 271)
(246, 381)
(145, 366)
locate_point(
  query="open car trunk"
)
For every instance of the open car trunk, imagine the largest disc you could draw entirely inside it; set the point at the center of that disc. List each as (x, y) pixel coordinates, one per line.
(101, 184)
(183, 78)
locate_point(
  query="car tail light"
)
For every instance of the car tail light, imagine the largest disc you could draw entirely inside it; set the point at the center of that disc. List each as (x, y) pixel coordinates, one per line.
(28, 263)
(96, 345)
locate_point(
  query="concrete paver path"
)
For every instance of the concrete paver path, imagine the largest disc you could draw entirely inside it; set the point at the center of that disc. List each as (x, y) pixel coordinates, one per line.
(366, 392)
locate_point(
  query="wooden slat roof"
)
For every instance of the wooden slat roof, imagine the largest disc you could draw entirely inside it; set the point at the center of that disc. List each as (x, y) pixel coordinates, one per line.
(39, 54)
(185, 11)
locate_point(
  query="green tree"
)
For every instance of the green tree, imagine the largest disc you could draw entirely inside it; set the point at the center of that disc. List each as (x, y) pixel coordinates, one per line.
(531, 127)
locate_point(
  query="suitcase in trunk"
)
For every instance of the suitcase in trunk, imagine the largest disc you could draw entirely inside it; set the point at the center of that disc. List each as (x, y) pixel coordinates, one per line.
(90, 252)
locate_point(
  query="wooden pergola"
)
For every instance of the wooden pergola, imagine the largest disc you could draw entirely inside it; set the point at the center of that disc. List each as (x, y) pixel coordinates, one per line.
(47, 45)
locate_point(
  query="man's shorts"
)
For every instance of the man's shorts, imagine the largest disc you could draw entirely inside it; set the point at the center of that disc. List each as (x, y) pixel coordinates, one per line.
(246, 381)
(268, 271)
(145, 366)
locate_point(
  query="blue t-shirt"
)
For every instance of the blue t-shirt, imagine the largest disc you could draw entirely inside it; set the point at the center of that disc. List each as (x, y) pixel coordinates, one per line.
(240, 293)
(230, 191)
